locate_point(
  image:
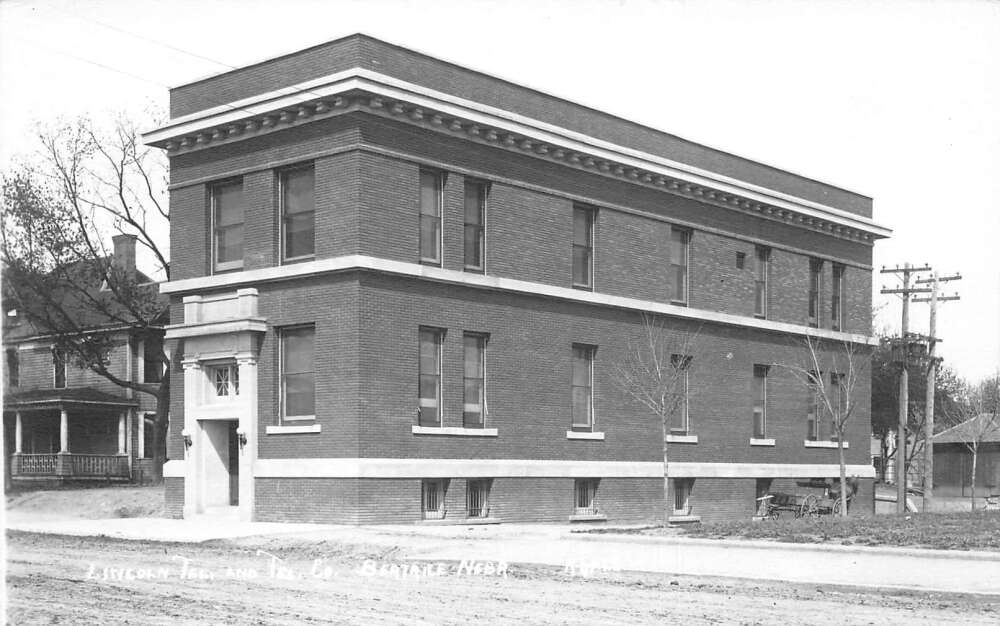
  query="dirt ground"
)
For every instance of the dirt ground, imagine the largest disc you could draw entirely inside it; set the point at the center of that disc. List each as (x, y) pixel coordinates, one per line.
(57, 579)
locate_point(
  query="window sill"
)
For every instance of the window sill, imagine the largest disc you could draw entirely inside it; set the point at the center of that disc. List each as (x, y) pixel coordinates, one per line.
(682, 438)
(824, 444)
(762, 442)
(292, 260)
(293, 430)
(460, 521)
(454, 431)
(577, 434)
(588, 517)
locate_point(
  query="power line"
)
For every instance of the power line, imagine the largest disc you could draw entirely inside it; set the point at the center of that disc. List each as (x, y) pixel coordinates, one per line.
(155, 41)
(141, 37)
(91, 62)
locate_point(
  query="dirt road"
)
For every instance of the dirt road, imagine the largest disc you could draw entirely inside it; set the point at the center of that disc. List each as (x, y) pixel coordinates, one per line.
(282, 581)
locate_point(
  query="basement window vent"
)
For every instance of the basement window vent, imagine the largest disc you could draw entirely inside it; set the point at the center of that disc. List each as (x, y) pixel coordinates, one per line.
(477, 498)
(433, 497)
(586, 497)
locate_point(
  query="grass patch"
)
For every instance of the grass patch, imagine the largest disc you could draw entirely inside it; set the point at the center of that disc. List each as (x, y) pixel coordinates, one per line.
(943, 531)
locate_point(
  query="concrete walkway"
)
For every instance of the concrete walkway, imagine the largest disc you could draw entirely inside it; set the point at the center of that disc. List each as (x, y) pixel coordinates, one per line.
(581, 554)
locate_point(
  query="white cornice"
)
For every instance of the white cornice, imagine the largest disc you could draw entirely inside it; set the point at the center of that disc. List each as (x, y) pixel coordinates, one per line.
(326, 96)
(480, 281)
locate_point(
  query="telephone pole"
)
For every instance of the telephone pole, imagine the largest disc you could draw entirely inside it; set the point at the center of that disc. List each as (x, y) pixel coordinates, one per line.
(932, 339)
(903, 346)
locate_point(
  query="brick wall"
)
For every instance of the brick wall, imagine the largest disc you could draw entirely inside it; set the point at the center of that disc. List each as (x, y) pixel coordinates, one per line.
(369, 203)
(529, 368)
(365, 52)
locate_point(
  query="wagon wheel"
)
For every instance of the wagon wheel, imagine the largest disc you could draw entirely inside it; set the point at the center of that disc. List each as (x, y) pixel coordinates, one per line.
(809, 506)
(836, 506)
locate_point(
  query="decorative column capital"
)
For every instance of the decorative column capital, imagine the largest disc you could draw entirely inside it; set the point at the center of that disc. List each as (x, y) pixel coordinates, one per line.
(191, 364)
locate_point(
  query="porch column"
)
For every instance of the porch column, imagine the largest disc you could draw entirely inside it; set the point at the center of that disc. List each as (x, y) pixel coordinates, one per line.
(121, 432)
(193, 388)
(140, 439)
(18, 433)
(63, 431)
(248, 422)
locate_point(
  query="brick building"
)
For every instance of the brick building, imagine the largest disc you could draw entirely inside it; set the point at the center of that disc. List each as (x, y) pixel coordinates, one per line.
(400, 288)
(63, 423)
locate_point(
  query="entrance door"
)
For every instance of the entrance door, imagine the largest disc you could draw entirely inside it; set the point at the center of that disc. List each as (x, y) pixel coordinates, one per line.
(234, 464)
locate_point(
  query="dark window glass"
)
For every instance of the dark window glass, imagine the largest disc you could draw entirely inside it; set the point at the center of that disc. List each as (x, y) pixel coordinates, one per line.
(430, 217)
(475, 225)
(474, 406)
(583, 387)
(759, 401)
(298, 384)
(152, 364)
(59, 369)
(430, 377)
(679, 244)
(836, 297)
(298, 212)
(227, 225)
(583, 247)
(763, 256)
(815, 285)
(13, 367)
(679, 422)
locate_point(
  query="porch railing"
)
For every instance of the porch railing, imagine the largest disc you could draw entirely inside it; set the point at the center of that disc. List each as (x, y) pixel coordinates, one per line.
(71, 465)
(98, 465)
(35, 464)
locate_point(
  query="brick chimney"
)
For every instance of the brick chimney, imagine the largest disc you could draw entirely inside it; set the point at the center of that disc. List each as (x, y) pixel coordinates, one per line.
(125, 252)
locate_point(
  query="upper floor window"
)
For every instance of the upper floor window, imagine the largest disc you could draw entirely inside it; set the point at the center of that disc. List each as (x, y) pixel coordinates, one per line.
(431, 193)
(474, 380)
(298, 378)
(837, 297)
(227, 226)
(298, 210)
(429, 375)
(680, 420)
(583, 387)
(815, 286)
(13, 367)
(583, 247)
(475, 225)
(152, 363)
(58, 368)
(679, 252)
(760, 401)
(761, 271)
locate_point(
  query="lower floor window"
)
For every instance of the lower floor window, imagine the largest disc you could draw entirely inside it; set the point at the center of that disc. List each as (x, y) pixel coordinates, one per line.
(682, 495)
(586, 496)
(433, 497)
(477, 498)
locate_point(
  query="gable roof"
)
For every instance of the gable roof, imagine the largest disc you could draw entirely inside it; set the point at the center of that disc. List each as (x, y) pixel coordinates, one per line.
(967, 430)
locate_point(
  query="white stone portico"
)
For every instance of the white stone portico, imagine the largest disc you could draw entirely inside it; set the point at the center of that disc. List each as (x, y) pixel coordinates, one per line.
(218, 344)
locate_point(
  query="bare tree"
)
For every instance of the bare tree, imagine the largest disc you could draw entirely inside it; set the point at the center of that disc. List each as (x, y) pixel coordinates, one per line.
(654, 372)
(58, 214)
(831, 372)
(975, 422)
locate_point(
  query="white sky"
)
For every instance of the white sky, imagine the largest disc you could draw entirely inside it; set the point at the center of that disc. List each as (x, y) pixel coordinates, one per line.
(897, 100)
